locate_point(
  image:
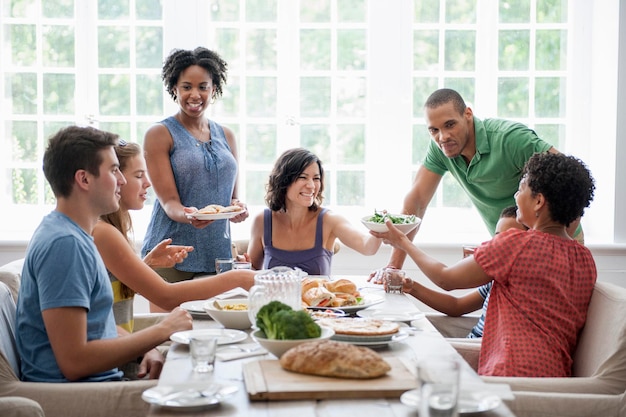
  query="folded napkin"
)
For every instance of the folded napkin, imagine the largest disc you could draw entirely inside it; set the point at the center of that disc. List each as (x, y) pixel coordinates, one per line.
(239, 351)
(234, 293)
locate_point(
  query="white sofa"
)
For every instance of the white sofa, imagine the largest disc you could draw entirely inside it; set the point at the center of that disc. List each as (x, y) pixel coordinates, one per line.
(94, 399)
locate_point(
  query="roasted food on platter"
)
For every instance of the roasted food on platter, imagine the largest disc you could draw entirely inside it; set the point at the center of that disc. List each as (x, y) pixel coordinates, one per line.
(216, 208)
(334, 359)
(360, 326)
(317, 292)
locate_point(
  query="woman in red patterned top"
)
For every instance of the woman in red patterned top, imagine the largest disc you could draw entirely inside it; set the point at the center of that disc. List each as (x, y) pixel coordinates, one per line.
(542, 279)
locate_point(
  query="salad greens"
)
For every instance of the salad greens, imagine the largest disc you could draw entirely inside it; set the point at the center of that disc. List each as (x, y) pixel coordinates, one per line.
(382, 216)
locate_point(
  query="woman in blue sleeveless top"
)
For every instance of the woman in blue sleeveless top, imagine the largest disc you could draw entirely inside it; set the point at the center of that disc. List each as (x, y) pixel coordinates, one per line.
(192, 162)
(296, 231)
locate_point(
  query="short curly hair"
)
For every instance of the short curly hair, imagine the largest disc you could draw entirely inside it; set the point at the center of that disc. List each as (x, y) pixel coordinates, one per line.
(564, 181)
(181, 59)
(286, 171)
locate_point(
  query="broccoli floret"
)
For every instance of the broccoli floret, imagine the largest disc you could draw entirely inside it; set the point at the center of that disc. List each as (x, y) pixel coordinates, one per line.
(290, 324)
(279, 321)
(264, 319)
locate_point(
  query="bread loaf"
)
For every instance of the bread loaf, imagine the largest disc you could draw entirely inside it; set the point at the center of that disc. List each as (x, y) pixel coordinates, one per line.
(334, 359)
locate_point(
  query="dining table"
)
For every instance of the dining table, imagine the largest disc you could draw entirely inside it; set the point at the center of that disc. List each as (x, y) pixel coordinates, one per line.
(421, 341)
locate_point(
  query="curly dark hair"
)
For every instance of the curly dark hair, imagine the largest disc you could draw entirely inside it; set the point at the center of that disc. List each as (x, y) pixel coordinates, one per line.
(181, 59)
(564, 181)
(286, 171)
(444, 96)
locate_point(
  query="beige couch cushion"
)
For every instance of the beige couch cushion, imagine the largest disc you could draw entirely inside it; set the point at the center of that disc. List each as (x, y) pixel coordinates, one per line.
(600, 358)
(11, 274)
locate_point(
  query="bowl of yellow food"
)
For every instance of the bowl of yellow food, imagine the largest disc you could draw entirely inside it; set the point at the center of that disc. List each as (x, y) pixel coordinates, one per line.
(232, 314)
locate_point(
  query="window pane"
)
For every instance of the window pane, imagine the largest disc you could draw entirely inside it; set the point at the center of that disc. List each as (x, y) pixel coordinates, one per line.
(113, 47)
(419, 145)
(21, 91)
(422, 88)
(550, 95)
(426, 11)
(352, 186)
(261, 49)
(261, 96)
(316, 138)
(50, 128)
(465, 86)
(225, 10)
(351, 10)
(21, 38)
(351, 49)
(551, 49)
(25, 8)
(149, 95)
(256, 182)
(426, 50)
(315, 96)
(23, 141)
(24, 186)
(552, 11)
(114, 98)
(261, 143)
(58, 46)
(460, 53)
(58, 8)
(460, 11)
(149, 9)
(315, 11)
(113, 9)
(553, 134)
(453, 194)
(315, 49)
(513, 97)
(120, 128)
(228, 104)
(227, 45)
(514, 11)
(58, 93)
(351, 144)
(351, 96)
(513, 47)
(149, 47)
(261, 10)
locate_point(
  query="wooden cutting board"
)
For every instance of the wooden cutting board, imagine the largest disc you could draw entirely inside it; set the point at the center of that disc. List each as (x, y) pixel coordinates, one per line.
(267, 380)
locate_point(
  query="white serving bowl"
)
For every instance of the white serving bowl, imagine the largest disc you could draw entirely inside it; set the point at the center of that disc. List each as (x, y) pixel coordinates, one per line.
(278, 347)
(382, 227)
(230, 319)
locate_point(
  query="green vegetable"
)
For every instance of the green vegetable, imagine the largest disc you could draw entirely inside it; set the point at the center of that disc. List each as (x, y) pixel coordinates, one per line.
(382, 216)
(279, 321)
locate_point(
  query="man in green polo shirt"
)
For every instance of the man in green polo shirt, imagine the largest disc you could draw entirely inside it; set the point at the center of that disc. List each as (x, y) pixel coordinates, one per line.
(485, 156)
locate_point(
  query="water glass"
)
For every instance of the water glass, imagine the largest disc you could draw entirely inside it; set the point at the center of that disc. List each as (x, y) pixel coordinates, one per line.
(392, 279)
(202, 349)
(242, 265)
(438, 380)
(223, 265)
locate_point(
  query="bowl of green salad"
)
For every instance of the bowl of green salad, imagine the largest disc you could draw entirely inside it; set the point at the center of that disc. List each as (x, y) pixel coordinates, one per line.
(404, 222)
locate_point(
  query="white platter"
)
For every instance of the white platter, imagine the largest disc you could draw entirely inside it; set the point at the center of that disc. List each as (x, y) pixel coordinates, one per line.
(367, 341)
(195, 308)
(216, 216)
(469, 402)
(188, 397)
(368, 300)
(402, 316)
(224, 336)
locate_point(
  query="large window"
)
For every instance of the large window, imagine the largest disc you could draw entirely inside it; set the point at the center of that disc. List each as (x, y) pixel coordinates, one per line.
(344, 78)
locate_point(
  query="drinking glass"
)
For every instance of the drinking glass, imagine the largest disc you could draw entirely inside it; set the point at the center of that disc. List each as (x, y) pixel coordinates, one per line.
(223, 265)
(438, 380)
(242, 265)
(202, 349)
(392, 278)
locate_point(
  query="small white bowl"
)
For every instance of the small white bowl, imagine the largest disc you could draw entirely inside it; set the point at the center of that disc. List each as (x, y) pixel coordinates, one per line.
(278, 347)
(382, 227)
(230, 319)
